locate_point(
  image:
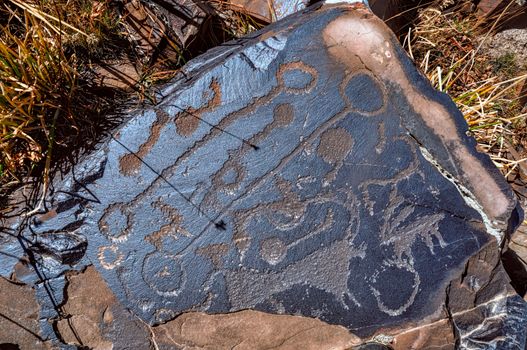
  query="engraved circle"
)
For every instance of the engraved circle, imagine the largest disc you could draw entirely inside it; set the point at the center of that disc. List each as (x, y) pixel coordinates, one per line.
(116, 224)
(397, 286)
(110, 257)
(163, 273)
(297, 77)
(364, 93)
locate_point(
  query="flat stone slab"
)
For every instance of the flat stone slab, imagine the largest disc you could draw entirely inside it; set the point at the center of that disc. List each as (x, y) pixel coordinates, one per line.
(268, 11)
(306, 170)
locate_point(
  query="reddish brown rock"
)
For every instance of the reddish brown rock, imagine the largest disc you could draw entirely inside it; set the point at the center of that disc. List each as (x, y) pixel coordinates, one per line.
(252, 330)
(122, 74)
(512, 14)
(94, 318)
(437, 335)
(518, 242)
(151, 22)
(485, 288)
(267, 11)
(485, 7)
(160, 32)
(144, 27)
(19, 317)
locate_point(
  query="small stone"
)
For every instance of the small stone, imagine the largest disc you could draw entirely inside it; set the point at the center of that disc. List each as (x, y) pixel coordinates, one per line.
(121, 74)
(510, 42)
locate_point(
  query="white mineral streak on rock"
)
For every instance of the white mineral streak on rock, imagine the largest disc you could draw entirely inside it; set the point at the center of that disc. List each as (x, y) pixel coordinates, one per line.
(469, 198)
(356, 41)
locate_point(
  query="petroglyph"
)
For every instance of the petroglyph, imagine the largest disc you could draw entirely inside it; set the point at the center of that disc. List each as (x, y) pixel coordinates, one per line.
(364, 93)
(130, 163)
(116, 222)
(382, 139)
(164, 274)
(246, 286)
(297, 77)
(229, 178)
(386, 295)
(188, 121)
(171, 229)
(110, 257)
(334, 147)
(295, 185)
(380, 57)
(402, 236)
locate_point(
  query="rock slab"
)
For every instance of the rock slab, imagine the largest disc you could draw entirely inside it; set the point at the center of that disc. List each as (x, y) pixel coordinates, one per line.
(307, 170)
(268, 11)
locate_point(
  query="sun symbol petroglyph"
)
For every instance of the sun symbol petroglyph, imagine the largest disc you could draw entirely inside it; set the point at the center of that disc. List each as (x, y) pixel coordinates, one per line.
(110, 257)
(164, 274)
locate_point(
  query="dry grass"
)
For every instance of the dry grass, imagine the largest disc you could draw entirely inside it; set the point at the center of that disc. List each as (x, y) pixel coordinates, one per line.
(37, 80)
(447, 44)
(235, 22)
(40, 70)
(46, 105)
(47, 50)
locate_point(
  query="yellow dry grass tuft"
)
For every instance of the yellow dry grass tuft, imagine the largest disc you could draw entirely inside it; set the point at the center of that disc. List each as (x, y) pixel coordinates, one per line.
(234, 20)
(48, 49)
(36, 82)
(40, 67)
(447, 43)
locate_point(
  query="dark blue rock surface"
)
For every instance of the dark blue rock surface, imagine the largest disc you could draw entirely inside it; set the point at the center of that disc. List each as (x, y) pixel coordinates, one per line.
(307, 170)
